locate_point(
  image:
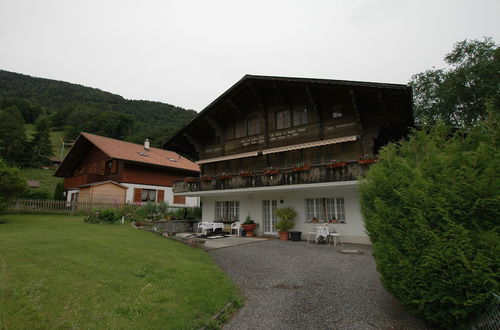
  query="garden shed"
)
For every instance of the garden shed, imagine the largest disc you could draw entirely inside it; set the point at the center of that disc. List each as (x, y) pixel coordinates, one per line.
(105, 192)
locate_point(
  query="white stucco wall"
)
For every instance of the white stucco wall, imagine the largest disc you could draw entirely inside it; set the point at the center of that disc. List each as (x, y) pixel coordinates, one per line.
(169, 196)
(251, 203)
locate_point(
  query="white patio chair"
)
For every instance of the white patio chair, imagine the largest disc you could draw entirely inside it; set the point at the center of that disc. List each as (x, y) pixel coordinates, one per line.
(236, 226)
(319, 231)
(333, 233)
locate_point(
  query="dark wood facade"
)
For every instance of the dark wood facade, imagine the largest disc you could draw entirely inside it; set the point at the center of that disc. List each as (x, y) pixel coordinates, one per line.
(93, 165)
(315, 122)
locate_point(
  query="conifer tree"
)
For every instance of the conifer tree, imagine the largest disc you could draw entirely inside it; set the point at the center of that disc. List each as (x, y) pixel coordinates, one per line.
(13, 143)
(40, 143)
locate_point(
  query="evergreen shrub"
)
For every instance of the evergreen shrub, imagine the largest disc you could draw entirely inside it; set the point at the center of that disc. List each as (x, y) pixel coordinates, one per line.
(431, 206)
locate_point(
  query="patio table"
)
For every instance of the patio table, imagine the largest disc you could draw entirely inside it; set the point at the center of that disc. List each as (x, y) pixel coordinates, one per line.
(206, 225)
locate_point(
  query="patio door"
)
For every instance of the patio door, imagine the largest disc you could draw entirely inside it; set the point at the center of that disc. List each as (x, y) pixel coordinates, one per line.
(268, 217)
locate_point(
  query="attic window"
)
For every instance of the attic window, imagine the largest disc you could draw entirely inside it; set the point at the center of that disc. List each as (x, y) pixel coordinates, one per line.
(142, 154)
(172, 160)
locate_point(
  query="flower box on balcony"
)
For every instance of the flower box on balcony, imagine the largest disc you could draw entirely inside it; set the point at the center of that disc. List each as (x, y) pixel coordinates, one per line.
(225, 177)
(367, 161)
(301, 169)
(270, 172)
(206, 178)
(337, 165)
(246, 174)
(189, 180)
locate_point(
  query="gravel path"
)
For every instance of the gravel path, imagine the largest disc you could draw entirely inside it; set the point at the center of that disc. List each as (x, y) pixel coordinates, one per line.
(292, 285)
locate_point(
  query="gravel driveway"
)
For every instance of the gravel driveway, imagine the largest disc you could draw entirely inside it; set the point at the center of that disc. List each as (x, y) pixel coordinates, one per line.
(294, 285)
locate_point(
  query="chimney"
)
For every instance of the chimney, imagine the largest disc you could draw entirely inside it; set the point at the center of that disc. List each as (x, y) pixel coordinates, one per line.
(146, 145)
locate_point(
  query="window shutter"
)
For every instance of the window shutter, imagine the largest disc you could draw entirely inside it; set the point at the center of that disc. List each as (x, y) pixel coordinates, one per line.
(179, 199)
(137, 195)
(160, 196)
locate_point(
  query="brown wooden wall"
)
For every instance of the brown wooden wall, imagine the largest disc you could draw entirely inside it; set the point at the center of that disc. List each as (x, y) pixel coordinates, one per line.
(134, 173)
(107, 193)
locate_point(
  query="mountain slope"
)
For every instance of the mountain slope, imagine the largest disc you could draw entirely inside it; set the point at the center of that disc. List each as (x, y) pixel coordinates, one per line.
(83, 108)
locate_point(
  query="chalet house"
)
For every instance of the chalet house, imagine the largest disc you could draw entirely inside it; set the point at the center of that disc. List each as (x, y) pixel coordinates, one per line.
(271, 142)
(102, 170)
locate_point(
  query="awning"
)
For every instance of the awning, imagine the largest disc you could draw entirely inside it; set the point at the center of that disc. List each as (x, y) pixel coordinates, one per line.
(311, 144)
(281, 149)
(228, 157)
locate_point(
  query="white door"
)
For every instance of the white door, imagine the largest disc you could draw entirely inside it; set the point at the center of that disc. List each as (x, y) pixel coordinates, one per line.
(269, 217)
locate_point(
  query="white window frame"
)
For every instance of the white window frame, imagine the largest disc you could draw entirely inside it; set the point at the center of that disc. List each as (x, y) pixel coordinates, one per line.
(325, 209)
(227, 210)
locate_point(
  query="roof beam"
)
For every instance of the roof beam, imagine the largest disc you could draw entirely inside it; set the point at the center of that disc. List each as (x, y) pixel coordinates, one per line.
(236, 108)
(215, 125)
(381, 102)
(311, 100)
(191, 139)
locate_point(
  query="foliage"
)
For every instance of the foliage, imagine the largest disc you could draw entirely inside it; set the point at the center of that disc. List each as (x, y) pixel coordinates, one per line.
(102, 216)
(67, 274)
(432, 207)
(248, 220)
(13, 145)
(75, 108)
(457, 95)
(59, 191)
(41, 146)
(287, 216)
(36, 193)
(12, 184)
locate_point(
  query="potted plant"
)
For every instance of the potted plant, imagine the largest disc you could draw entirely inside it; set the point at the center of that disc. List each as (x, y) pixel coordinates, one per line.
(287, 216)
(367, 159)
(300, 167)
(225, 176)
(249, 226)
(270, 171)
(336, 164)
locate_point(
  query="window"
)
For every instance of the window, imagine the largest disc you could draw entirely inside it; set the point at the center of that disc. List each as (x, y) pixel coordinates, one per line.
(148, 195)
(227, 211)
(325, 209)
(253, 126)
(179, 199)
(240, 129)
(300, 117)
(283, 119)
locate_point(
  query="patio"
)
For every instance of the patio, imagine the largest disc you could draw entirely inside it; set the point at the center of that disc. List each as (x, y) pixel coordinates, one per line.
(294, 285)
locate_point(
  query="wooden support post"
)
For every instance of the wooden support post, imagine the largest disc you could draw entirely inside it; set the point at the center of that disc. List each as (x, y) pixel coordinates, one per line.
(263, 110)
(314, 107)
(358, 118)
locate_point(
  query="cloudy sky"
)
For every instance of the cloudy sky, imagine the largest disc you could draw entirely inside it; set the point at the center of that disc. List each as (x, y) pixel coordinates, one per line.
(188, 52)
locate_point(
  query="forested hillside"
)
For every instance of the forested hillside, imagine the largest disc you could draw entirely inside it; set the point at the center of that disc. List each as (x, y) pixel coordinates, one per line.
(74, 108)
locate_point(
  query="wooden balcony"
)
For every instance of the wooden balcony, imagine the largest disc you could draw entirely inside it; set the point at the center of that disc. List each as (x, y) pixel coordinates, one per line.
(79, 180)
(348, 171)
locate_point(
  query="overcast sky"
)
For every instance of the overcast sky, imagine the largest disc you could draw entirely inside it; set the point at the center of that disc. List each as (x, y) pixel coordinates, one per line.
(187, 53)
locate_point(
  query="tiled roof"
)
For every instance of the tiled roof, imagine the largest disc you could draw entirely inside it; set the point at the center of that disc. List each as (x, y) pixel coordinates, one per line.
(136, 153)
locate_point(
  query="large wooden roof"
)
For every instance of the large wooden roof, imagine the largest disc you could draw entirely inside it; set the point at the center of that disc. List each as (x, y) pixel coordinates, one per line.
(127, 151)
(257, 89)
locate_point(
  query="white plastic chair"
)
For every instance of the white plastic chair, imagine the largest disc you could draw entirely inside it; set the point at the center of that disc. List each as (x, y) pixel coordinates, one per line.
(319, 231)
(333, 233)
(236, 226)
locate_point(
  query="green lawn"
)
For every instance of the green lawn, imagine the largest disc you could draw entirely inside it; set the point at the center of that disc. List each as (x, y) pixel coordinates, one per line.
(58, 272)
(46, 177)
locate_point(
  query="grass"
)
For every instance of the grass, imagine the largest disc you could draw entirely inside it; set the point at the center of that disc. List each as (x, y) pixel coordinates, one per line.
(46, 177)
(58, 272)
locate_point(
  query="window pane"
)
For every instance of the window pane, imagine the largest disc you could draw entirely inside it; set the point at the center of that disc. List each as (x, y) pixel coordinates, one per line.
(253, 126)
(240, 129)
(299, 117)
(283, 119)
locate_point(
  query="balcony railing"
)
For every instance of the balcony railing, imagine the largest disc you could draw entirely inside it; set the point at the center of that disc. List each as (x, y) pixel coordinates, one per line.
(310, 174)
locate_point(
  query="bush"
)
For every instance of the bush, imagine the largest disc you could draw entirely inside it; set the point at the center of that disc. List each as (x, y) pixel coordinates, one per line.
(11, 184)
(431, 206)
(287, 216)
(102, 216)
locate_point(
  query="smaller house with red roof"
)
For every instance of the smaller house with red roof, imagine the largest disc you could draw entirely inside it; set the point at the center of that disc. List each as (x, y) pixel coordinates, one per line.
(123, 172)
